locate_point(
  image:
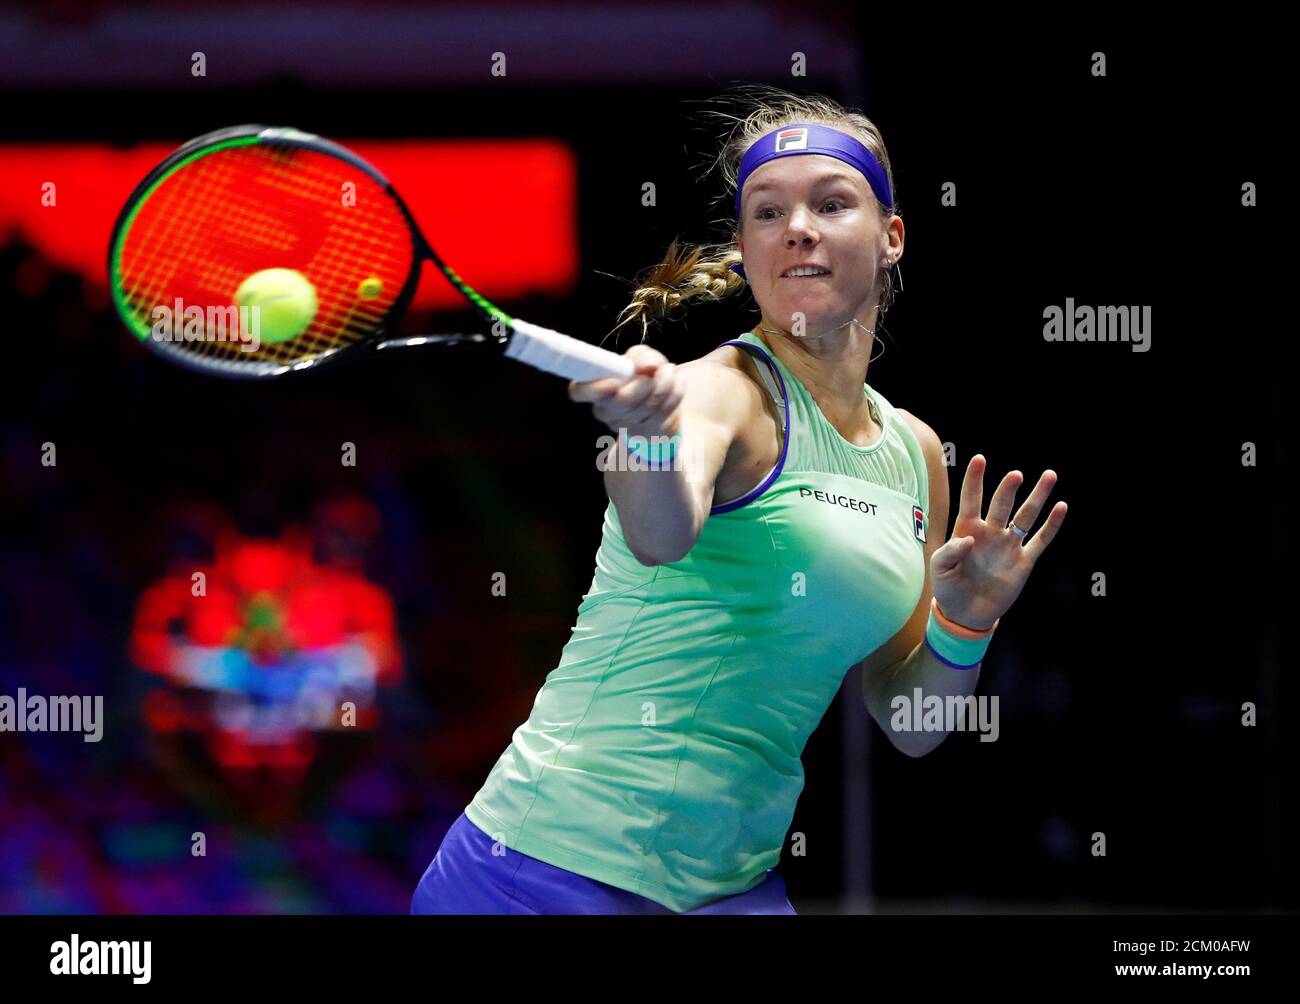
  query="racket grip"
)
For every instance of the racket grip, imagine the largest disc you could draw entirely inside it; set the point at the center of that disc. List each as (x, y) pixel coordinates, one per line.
(553, 352)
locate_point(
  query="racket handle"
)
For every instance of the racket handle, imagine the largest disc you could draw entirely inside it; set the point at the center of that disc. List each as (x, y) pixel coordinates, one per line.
(553, 352)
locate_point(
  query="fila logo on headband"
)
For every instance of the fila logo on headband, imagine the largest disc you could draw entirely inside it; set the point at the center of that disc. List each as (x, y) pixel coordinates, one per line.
(918, 523)
(791, 139)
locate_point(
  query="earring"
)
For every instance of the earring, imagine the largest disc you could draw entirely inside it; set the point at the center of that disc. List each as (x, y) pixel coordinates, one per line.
(892, 264)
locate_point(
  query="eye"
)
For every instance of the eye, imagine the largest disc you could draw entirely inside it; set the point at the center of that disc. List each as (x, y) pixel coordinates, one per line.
(760, 214)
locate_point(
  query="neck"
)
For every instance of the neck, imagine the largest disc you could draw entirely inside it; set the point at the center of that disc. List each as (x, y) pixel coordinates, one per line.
(833, 366)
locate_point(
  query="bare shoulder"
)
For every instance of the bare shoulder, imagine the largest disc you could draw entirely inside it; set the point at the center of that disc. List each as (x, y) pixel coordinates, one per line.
(726, 385)
(725, 391)
(727, 357)
(930, 443)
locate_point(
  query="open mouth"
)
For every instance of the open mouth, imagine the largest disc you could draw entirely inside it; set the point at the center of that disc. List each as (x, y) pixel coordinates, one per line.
(807, 273)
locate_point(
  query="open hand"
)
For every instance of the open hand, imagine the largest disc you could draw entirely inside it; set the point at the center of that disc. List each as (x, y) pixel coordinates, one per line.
(982, 568)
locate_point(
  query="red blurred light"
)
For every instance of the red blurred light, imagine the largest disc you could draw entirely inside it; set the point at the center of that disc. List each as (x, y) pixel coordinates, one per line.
(503, 213)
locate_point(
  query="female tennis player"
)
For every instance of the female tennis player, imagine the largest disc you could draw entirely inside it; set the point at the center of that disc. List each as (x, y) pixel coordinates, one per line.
(790, 529)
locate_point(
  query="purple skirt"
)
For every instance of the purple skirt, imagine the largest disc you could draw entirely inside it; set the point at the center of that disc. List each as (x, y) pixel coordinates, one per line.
(465, 877)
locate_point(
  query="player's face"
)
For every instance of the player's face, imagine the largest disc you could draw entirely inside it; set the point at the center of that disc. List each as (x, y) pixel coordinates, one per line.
(811, 208)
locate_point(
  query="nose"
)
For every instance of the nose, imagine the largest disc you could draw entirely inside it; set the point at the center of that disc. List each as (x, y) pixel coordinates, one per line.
(800, 228)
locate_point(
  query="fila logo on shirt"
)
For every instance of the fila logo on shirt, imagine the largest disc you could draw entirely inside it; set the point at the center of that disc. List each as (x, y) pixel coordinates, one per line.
(791, 139)
(918, 523)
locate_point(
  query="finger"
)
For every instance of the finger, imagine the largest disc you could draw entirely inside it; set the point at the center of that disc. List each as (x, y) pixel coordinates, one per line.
(1004, 497)
(649, 407)
(632, 395)
(647, 362)
(662, 414)
(1037, 544)
(609, 407)
(1027, 514)
(617, 409)
(583, 391)
(646, 358)
(652, 408)
(972, 488)
(676, 397)
(950, 554)
(675, 389)
(641, 350)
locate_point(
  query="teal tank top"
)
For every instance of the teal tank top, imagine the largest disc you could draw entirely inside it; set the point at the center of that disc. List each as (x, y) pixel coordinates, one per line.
(662, 754)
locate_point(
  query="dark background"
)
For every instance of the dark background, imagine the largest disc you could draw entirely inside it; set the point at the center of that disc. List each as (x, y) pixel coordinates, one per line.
(1119, 714)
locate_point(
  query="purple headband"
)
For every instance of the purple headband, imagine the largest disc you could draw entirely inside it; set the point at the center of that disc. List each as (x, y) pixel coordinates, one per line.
(809, 137)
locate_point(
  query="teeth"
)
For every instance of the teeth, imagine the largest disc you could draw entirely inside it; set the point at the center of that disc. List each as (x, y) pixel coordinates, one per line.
(806, 271)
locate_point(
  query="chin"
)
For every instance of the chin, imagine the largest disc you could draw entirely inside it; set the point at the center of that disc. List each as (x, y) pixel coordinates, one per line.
(814, 321)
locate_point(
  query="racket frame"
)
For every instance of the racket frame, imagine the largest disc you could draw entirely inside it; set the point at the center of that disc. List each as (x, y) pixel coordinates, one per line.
(255, 134)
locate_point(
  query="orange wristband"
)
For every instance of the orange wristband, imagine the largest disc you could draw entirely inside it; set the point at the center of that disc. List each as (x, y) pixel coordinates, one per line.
(960, 630)
(953, 644)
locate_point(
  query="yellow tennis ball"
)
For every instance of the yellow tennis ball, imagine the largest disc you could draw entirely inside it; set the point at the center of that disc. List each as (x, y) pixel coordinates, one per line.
(369, 289)
(285, 302)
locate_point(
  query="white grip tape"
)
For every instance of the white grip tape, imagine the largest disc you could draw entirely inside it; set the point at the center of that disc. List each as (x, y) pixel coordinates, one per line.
(553, 352)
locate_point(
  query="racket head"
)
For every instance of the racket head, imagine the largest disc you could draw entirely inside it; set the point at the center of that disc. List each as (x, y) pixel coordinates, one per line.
(237, 201)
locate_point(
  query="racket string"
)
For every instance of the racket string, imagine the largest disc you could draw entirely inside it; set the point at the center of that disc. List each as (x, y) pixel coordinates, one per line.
(235, 211)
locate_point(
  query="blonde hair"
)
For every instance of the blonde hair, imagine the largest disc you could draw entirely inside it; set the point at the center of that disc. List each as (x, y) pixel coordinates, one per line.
(702, 272)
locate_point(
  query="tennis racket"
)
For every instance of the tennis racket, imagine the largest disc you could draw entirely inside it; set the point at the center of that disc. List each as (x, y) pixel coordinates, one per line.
(238, 202)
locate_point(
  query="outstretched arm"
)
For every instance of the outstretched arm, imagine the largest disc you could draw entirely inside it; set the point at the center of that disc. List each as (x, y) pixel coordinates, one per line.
(704, 405)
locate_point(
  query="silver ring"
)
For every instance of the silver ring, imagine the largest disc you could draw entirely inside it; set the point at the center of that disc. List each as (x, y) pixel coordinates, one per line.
(1015, 529)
